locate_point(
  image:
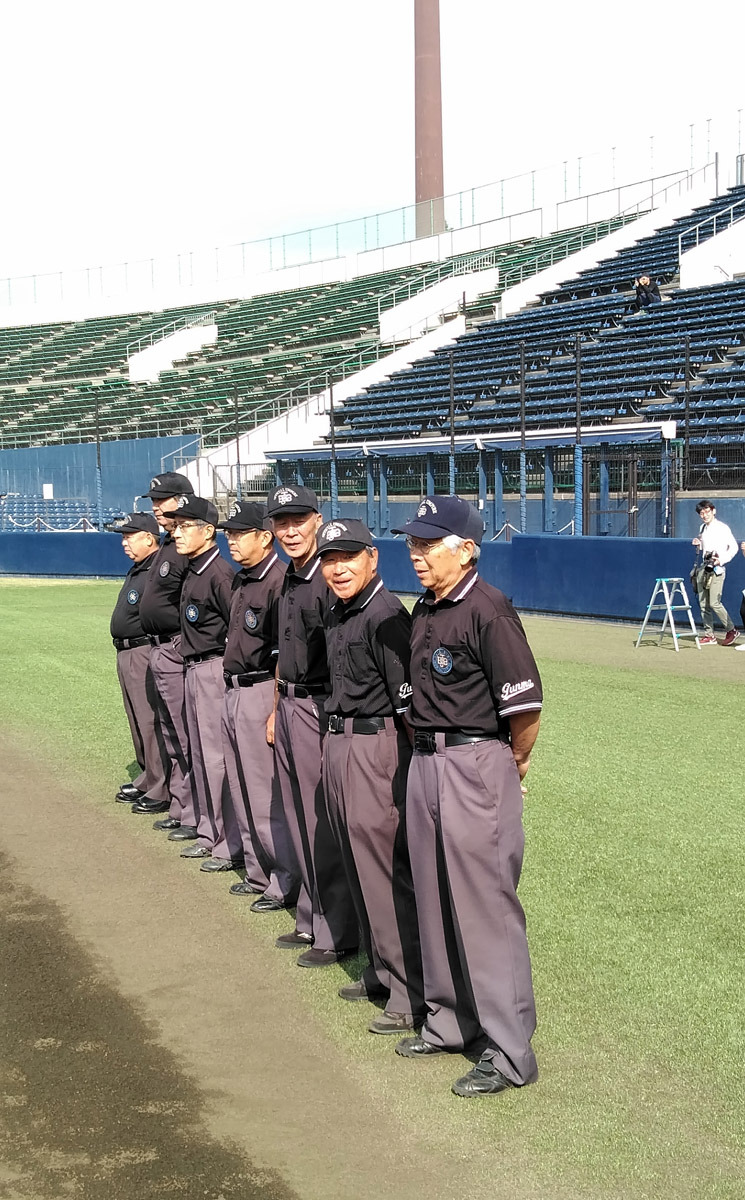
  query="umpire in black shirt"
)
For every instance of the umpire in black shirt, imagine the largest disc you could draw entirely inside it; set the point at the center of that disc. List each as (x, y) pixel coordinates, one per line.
(205, 612)
(326, 924)
(140, 542)
(249, 669)
(475, 710)
(159, 611)
(366, 756)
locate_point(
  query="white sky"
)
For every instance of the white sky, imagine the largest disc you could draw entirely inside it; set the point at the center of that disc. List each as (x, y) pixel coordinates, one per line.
(163, 125)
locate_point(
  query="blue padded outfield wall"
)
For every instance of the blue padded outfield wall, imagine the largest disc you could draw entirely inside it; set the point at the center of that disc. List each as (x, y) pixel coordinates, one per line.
(602, 576)
(126, 469)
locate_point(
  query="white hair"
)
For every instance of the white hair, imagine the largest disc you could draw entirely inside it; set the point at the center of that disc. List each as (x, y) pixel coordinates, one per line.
(454, 543)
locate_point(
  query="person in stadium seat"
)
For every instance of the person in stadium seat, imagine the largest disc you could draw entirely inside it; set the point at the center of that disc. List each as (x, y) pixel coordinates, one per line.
(647, 294)
(140, 542)
(205, 612)
(326, 923)
(718, 547)
(366, 755)
(249, 667)
(159, 612)
(475, 712)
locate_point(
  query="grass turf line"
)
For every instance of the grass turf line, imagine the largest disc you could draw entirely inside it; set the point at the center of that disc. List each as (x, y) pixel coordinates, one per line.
(633, 886)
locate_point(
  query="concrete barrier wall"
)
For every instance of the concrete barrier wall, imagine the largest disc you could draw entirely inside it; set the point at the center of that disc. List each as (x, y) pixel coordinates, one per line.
(602, 577)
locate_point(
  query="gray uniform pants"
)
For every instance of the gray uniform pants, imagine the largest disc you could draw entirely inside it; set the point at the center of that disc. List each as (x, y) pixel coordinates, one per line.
(364, 778)
(168, 670)
(249, 763)
(324, 907)
(464, 818)
(710, 599)
(140, 704)
(216, 823)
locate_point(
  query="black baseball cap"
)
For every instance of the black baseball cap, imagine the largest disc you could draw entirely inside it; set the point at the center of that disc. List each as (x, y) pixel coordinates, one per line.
(170, 483)
(197, 509)
(343, 535)
(246, 514)
(438, 516)
(136, 523)
(291, 498)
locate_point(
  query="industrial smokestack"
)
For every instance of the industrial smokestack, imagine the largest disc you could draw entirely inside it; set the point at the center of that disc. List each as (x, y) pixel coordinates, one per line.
(430, 208)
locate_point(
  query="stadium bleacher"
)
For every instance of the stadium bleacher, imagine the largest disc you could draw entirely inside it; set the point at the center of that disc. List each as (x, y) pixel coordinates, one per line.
(632, 364)
(23, 514)
(52, 376)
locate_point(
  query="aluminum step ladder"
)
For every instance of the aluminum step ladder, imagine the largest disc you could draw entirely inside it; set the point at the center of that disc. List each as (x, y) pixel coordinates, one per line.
(666, 592)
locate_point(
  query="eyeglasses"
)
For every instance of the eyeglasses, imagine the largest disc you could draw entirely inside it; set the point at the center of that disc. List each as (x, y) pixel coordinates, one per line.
(421, 546)
(188, 524)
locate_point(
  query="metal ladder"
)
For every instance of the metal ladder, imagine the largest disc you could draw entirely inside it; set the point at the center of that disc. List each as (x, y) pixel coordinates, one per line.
(670, 590)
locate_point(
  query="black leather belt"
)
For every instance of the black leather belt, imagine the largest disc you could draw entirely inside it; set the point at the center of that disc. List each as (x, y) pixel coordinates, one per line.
(197, 658)
(303, 693)
(425, 742)
(160, 639)
(248, 679)
(130, 643)
(359, 724)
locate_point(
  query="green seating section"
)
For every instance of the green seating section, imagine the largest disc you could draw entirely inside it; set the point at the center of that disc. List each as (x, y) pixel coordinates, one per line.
(271, 350)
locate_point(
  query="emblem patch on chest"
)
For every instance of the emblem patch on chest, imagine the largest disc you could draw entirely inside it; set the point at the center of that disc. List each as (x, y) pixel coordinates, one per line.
(250, 618)
(191, 612)
(164, 569)
(442, 661)
(132, 596)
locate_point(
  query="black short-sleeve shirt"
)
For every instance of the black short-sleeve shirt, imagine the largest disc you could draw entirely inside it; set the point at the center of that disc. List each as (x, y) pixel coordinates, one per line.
(471, 665)
(159, 607)
(303, 612)
(254, 618)
(205, 604)
(367, 642)
(125, 619)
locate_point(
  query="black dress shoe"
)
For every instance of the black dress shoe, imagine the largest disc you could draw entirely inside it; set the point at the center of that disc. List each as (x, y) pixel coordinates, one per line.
(184, 833)
(196, 851)
(219, 864)
(392, 1022)
(358, 991)
(267, 904)
(151, 806)
(129, 797)
(291, 941)
(129, 789)
(167, 823)
(244, 888)
(483, 1080)
(323, 958)
(416, 1047)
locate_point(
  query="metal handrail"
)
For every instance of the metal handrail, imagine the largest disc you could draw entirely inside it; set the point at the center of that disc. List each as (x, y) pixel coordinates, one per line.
(738, 206)
(161, 334)
(559, 251)
(617, 189)
(476, 261)
(687, 178)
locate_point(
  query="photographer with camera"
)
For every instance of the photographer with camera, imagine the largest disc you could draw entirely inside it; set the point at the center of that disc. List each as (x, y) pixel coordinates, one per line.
(647, 294)
(718, 546)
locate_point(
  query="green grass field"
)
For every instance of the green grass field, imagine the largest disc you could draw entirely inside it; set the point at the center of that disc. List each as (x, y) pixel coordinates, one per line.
(633, 887)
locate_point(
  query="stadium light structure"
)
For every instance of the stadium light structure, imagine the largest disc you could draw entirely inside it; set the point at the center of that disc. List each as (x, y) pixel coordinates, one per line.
(430, 189)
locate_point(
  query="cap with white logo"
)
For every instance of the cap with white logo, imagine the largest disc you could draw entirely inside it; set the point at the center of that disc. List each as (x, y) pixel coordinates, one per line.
(345, 535)
(168, 483)
(291, 498)
(438, 516)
